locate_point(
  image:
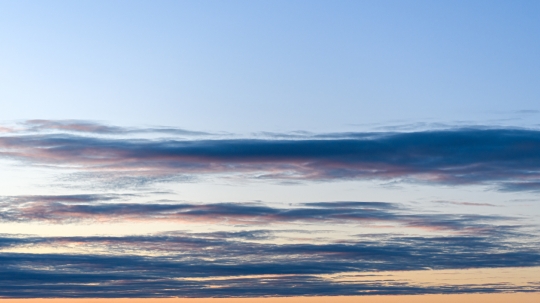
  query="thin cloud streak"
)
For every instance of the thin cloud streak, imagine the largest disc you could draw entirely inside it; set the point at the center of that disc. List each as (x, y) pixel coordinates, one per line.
(90, 208)
(94, 128)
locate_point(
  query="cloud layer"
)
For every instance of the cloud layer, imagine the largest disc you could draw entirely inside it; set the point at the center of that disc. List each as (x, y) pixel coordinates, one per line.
(508, 159)
(257, 248)
(232, 264)
(92, 208)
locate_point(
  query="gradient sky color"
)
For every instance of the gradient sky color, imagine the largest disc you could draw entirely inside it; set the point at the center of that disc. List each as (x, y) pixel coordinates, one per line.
(283, 149)
(279, 65)
(471, 298)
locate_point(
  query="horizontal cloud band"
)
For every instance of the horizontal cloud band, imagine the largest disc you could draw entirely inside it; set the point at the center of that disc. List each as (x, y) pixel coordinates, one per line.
(88, 208)
(243, 268)
(509, 158)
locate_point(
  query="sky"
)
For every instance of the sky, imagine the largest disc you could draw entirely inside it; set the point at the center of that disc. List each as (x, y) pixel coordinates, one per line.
(291, 150)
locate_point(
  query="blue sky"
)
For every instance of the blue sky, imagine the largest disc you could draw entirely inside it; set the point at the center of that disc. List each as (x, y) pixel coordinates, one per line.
(236, 148)
(276, 65)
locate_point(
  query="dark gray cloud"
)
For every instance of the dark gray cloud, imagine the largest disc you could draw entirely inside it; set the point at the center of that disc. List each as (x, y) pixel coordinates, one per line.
(246, 268)
(506, 158)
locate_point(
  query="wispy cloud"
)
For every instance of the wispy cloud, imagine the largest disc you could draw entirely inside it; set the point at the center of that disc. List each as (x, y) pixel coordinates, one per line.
(88, 208)
(465, 203)
(244, 268)
(506, 158)
(255, 248)
(94, 128)
(81, 198)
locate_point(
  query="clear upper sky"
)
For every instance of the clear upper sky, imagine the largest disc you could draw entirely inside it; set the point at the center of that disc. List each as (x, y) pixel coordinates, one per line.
(269, 65)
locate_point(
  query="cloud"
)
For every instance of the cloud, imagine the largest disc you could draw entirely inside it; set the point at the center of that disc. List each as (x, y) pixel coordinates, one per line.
(81, 198)
(90, 127)
(521, 186)
(465, 203)
(506, 158)
(99, 208)
(266, 257)
(235, 252)
(528, 111)
(178, 264)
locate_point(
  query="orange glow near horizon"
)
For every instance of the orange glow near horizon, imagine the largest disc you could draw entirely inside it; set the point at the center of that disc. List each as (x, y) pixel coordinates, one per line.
(461, 298)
